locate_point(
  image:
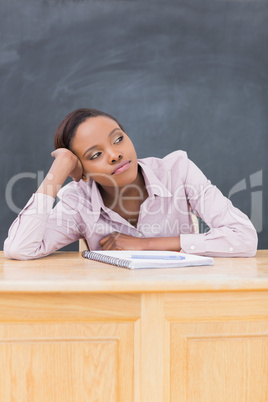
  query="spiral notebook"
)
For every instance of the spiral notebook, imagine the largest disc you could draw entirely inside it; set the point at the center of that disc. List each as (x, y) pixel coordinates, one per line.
(147, 259)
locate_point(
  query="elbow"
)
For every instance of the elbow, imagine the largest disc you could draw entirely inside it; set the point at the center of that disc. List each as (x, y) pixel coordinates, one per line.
(18, 255)
(253, 243)
(248, 253)
(249, 244)
(252, 248)
(8, 250)
(13, 254)
(12, 251)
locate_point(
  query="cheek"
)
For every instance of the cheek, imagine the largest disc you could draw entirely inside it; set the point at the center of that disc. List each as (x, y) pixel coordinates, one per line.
(88, 172)
(95, 171)
(131, 147)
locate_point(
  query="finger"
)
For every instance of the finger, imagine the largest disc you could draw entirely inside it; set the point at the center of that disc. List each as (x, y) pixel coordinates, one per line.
(105, 246)
(113, 235)
(104, 240)
(116, 235)
(108, 245)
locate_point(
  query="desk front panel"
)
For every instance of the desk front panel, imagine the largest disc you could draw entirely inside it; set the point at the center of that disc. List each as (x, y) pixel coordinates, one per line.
(181, 347)
(67, 348)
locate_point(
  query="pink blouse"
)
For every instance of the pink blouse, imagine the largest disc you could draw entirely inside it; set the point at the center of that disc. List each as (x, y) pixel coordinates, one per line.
(175, 186)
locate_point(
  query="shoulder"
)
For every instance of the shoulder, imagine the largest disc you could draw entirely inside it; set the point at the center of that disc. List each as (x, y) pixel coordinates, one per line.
(178, 156)
(177, 161)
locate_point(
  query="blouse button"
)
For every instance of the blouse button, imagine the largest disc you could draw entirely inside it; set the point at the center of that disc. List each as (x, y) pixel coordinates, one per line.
(192, 247)
(140, 234)
(231, 249)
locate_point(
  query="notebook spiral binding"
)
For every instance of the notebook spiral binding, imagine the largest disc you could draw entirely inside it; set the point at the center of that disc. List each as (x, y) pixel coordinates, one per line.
(119, 262)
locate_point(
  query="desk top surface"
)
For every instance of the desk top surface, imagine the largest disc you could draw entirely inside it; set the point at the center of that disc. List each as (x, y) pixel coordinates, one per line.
(69, 272)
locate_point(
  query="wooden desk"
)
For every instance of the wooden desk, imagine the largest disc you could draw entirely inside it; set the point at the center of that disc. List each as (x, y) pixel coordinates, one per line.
(75, 330)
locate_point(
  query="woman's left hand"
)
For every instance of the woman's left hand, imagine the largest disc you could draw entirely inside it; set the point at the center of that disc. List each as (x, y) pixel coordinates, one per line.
(120, 241)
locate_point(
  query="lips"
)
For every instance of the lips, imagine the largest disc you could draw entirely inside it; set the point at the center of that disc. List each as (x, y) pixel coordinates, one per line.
(121, 167)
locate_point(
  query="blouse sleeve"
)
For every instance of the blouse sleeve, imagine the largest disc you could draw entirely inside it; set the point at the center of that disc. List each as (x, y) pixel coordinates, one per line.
(231, 232)
(40, 229)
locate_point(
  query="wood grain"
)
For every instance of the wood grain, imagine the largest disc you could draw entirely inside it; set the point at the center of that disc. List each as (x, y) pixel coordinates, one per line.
(69, 272)
(198, 334)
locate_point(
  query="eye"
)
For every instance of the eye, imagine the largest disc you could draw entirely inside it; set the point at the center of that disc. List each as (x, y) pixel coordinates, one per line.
(96, 155)
(119, 139)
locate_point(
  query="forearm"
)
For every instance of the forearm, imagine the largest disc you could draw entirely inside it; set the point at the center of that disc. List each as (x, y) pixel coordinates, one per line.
(26, 234)
(55, 178)
(162, 243)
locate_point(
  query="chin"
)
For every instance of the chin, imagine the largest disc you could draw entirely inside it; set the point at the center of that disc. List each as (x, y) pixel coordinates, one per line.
(127, 177)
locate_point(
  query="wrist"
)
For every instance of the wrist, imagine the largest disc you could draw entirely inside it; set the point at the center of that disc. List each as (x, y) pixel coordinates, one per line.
(54, 180)
(62, 164)
(161, 243)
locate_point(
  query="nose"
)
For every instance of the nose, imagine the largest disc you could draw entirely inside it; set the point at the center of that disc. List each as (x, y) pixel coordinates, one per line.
(115, 156)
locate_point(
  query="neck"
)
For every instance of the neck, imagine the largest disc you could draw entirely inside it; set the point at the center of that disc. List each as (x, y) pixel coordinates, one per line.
(134, 190)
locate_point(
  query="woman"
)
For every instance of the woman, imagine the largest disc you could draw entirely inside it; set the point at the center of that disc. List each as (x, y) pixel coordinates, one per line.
(118, 202)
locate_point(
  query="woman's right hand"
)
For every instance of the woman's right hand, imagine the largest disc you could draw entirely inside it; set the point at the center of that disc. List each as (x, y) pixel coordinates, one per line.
(70, 161)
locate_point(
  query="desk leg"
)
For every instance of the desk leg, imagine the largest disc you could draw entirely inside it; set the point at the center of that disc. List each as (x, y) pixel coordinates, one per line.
(154, 378)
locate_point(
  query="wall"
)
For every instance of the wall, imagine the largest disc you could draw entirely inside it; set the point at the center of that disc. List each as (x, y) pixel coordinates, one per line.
(183, 74)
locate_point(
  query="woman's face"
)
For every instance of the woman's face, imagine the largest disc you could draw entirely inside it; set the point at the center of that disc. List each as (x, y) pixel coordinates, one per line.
(107, 154)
